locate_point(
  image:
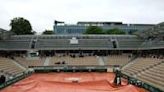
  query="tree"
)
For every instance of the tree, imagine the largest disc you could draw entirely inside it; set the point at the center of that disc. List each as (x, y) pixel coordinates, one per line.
(115, 31)
(21, 26)
(48, 32)
(94, 30)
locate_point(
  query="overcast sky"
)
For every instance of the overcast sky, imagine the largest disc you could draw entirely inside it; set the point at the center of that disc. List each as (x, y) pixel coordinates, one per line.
(42, 13)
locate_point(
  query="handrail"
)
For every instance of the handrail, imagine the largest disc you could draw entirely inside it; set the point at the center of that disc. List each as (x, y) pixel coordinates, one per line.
(15, 79)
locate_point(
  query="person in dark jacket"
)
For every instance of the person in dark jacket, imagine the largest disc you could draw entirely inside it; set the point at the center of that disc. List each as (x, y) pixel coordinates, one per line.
(2, 79)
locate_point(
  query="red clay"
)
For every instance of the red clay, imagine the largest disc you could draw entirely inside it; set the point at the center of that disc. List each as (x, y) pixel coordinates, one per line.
(62, 82)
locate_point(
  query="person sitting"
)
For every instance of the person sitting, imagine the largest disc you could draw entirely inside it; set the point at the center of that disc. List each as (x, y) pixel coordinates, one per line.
(63, 62)
(58, 63)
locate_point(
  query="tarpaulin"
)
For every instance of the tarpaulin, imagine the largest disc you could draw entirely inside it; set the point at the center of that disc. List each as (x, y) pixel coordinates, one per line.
(71, 82)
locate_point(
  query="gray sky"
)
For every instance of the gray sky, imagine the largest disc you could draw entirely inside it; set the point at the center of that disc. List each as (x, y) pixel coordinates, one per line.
(42, 13)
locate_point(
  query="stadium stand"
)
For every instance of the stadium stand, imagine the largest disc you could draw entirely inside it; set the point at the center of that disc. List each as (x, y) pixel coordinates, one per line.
(51, 43)
(61, 42)
(153, 44)
(149, 70)
(30, 62)
(2, 45)
(129, 43)
(102, 42)
(95, 43)
(8, 67)
(155, 32)
(86, 60)
(117, 59)
(64, 43)
(21, 44)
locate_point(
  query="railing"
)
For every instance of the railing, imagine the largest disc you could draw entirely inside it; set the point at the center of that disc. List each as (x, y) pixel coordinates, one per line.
(15, 79)
(140, 83)
(66, 68)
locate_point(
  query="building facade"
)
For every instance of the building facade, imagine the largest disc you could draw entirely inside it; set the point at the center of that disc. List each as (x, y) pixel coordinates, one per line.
(81, 27)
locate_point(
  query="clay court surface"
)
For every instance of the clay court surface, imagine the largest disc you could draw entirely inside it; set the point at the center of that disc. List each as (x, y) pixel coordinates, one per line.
(70, 82)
